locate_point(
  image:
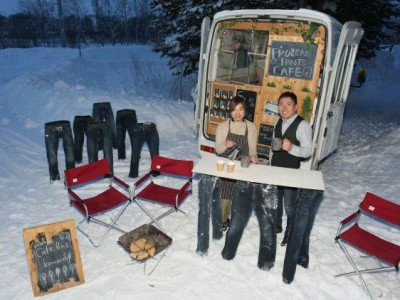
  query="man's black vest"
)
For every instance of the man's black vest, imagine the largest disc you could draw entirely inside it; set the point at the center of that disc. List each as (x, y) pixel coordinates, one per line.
(282, 158)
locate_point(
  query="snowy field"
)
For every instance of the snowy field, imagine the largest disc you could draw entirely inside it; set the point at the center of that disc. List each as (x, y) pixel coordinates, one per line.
(40, 85)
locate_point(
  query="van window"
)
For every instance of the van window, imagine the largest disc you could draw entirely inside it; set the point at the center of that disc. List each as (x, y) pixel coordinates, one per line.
(341, 77)
(241, 55)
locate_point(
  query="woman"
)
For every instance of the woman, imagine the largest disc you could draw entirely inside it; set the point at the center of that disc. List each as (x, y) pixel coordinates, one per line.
(234, 132)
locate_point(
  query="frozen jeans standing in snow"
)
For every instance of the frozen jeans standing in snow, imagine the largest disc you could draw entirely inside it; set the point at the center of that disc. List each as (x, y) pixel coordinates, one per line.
(263, 199)
(299, 237)
(126, 119)
(80, 127)
(288, 197)
(99, 137)
(209, 203)
(102, 111)
(53, 132)
(141, 133)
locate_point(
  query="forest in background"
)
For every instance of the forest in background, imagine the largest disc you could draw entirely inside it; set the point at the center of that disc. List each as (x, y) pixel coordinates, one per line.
(171, 26)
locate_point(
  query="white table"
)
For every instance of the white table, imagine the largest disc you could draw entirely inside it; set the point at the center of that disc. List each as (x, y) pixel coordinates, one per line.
(262, 173)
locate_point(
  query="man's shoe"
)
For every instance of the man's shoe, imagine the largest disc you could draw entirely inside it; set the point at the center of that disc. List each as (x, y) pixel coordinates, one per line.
(226, 224)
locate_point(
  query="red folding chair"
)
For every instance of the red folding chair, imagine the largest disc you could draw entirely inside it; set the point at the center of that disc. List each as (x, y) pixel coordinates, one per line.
(170, 187)
(350, 234)
(84, 183)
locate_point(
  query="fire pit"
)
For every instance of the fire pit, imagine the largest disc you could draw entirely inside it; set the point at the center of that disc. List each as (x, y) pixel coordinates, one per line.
(157, 238)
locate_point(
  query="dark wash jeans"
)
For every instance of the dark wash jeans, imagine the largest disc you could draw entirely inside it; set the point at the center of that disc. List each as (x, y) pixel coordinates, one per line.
(53, 132)
(209, 204)
(286, 198)
(299, 238)
(80, 130)
(99, 137)
(102, 111)
(141, 133)
(263, 199)
(126, 119)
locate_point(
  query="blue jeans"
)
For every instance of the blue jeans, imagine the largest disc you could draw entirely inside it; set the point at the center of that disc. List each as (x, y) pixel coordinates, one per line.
(141, 133)
(99, 137)
(102, 111)
(286, 195)
(263, 199)
(126, 119)
(80, 130)
(209, 203)
(299, 238)
(53, 132)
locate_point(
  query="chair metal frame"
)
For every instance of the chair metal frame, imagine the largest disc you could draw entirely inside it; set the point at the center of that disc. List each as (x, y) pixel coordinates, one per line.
(385, 253)
(118, 192)
(163, 194)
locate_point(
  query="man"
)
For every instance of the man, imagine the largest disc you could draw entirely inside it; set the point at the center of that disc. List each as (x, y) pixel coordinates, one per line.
(295, 133)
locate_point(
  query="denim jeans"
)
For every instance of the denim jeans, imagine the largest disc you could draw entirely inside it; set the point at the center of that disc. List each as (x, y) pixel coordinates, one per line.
(209, 203)
(286, 198)
(299, 238)
(141, 133)
(126, 119)
(102, 111)
(99, 133)
(80, 130)
(263, 199)
(53, 132)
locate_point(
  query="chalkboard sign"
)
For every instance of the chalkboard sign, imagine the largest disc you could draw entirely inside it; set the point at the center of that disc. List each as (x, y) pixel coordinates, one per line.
(250, 98)
(294, 60)
(53, 257)
(265, 134)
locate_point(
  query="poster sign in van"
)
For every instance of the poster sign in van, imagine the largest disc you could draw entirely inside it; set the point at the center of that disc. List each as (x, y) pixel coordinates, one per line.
(294, 60)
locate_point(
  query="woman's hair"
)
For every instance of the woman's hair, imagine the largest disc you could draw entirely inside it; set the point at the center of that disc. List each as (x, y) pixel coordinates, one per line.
(235, 101)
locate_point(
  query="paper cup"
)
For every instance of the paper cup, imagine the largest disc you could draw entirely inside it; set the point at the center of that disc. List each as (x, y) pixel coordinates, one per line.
(220, 165)
(230, 167)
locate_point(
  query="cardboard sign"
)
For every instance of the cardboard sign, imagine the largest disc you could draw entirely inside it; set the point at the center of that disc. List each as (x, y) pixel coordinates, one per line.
(53, 257)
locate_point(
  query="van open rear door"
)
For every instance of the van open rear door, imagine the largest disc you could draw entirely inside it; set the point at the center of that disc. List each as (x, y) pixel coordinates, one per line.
(337, 92)
(199, 109)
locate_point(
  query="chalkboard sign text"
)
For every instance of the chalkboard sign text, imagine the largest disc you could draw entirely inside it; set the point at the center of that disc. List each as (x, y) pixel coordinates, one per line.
(294, 60)
(53, 257)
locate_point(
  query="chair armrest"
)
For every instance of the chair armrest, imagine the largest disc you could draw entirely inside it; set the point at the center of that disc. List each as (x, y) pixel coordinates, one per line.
(141, 180)
(74, 196)
(349, 218)
(182, 189)
(344, 223)
(120, 182)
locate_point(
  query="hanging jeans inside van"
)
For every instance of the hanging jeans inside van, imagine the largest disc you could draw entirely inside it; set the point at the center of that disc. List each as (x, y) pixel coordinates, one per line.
(264, 200)
(102, 111)
(126, 119)
(53, 132)
(209, 204)
(80, 127)
(143, 133)
(299, 237)
(99, 137)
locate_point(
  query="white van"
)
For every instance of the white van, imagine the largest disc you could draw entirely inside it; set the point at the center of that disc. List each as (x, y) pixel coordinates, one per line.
(259, 54)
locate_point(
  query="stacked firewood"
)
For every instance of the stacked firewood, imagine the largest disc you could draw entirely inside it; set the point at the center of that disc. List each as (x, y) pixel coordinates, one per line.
(142, 249)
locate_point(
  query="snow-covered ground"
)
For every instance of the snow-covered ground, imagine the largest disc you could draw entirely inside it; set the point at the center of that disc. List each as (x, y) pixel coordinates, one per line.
(40, 85)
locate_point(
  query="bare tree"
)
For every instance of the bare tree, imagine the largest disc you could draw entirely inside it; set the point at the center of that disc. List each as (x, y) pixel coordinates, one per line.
(43, 11)
(61, 23)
